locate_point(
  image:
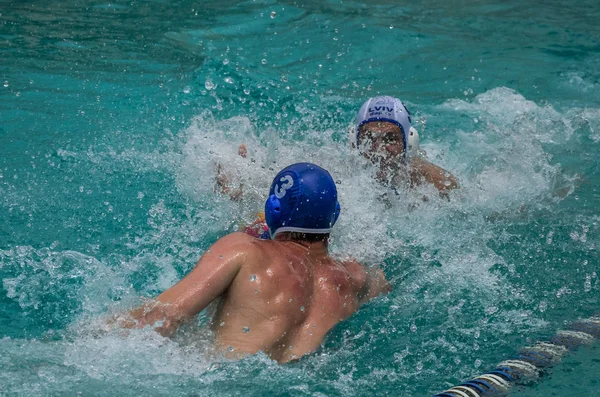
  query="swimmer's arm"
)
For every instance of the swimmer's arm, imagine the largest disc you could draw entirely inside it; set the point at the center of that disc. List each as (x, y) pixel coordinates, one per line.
(369, 281)
(210, 278)
(222, 185)
(222, 180)
(424, 170)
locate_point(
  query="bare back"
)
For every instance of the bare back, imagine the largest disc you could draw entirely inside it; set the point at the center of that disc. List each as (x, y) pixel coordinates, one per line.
(284, 299)
(279, 297)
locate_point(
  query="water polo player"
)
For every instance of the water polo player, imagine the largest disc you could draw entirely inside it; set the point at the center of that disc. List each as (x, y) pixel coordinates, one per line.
(278, 296)
(382, 133)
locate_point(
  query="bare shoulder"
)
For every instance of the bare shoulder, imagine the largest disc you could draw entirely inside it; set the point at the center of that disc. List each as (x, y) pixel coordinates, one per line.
(236, 242)
(238, 238)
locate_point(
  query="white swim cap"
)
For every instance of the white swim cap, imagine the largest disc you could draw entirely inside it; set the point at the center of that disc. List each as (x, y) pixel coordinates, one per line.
(384, 108)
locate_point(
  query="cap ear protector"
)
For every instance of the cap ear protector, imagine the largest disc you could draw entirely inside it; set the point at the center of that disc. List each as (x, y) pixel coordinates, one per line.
(273, 210)
(413, 139)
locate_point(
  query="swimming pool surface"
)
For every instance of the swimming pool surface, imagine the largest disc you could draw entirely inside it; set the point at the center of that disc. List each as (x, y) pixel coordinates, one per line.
(113, 116)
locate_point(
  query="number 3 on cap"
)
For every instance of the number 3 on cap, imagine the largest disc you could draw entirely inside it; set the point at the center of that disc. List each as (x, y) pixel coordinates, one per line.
(280, 190)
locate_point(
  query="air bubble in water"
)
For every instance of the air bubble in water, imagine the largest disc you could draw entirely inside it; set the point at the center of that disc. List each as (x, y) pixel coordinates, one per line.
(301, 308)
(209, 85)
(253, 278)
(228, 80)
(6, 83)
(413, 328)
(225, 61)
(264, 61)
(587, 286)
(187, 90)
(273, 14)
(247, 91)
(246, 330)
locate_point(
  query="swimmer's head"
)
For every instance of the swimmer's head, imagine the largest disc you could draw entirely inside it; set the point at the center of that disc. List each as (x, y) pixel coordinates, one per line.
(302, 198)
(381, 112)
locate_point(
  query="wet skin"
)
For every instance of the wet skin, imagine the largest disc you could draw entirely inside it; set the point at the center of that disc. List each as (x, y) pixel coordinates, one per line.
(383, 144)
(280, 297)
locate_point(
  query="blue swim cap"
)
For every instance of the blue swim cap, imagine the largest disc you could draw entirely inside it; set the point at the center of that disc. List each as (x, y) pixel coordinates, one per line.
(384, 108)
(302, 198)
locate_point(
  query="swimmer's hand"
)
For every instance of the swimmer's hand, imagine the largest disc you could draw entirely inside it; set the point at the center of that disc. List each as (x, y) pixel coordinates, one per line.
(119, 323)
(243, 151)
(222, 184)
(153, 313)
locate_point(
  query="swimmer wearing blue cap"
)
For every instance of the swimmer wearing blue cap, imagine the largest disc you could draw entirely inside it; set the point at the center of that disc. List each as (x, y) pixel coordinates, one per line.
(278, 296)
(383, 133)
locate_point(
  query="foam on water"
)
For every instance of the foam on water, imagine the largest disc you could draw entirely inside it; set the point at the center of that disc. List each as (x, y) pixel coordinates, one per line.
(116, 118)
(436, 252)
(43, 276)
(502, 168)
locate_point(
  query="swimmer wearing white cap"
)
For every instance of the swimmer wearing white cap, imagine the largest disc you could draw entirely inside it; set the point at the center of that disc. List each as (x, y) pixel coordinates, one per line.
(383, 134)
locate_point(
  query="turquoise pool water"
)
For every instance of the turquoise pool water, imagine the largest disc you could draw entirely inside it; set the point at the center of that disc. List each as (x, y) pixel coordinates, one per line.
(113, 116)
